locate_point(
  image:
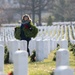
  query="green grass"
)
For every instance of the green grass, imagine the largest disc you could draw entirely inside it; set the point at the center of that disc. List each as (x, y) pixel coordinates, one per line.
(72, 60)
(42, 68)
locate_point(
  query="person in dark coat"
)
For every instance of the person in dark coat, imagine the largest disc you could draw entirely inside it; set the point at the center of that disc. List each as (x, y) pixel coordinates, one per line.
(25, 23)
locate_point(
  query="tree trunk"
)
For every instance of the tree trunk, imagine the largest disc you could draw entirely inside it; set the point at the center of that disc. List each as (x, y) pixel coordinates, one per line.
(33, 11)
(39, 14)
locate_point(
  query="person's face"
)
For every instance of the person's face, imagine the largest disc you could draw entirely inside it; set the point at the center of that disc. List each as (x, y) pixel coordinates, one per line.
(25, 18)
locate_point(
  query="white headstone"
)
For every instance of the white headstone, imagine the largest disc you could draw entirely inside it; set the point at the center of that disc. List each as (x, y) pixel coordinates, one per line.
(62, 57)
(39, 50)
(1, 42)
(23, 45)
(54, 44)
(63, 70)
(64, 44)
(50, 44)
(13, 47)
(1, 58)
(21, 63)
(73, 41)
(46, 47)
(32, 45)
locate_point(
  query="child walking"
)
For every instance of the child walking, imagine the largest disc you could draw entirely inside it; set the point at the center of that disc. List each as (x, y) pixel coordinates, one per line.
(26, 21)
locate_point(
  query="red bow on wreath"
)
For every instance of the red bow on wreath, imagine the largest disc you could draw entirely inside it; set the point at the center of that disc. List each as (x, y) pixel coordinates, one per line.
(26, 26)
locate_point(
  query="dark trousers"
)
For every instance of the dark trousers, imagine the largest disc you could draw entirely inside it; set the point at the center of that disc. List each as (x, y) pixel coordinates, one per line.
(28, 48)
(23, 37)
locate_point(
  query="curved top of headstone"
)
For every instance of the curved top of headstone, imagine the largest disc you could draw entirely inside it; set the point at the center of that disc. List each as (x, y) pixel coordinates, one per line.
(10, 25)
(61, 49)
(64, 40)
(39, 39)
(61, 68)
(45, 39)
(20, 51)
(64, 43)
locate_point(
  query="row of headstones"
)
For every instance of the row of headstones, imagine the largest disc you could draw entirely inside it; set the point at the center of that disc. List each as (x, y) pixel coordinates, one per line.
(44, 31)
(31, 47)
(43, 47)
(21, 64)
(45, 28)
(14, 45)
(62, 56)
(6, 33)
(62, 60)
(22, 45)
(56, 31)
(60, 37)
(73, 31)
(57, 34)
(65, 33)
(64, 23)
(70, 36)
(35, 44)
(9, 32)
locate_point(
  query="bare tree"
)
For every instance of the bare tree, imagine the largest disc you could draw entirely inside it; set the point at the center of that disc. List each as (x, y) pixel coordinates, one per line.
(63, 10)
(2, 16)
(35, 7)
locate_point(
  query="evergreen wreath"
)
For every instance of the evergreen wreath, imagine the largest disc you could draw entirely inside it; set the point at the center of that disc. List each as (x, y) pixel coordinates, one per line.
(33, 56)
(17, 32)
(6, 55)
(30, 32)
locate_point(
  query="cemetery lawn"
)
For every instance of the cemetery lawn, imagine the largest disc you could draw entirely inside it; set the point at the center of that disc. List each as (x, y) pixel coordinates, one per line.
(42, 68)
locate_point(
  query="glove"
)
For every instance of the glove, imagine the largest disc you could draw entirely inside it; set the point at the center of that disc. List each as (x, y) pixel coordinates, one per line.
(30, 29)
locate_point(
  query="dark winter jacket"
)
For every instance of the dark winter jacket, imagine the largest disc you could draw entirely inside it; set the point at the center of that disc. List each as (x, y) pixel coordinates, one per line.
(25, 24)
